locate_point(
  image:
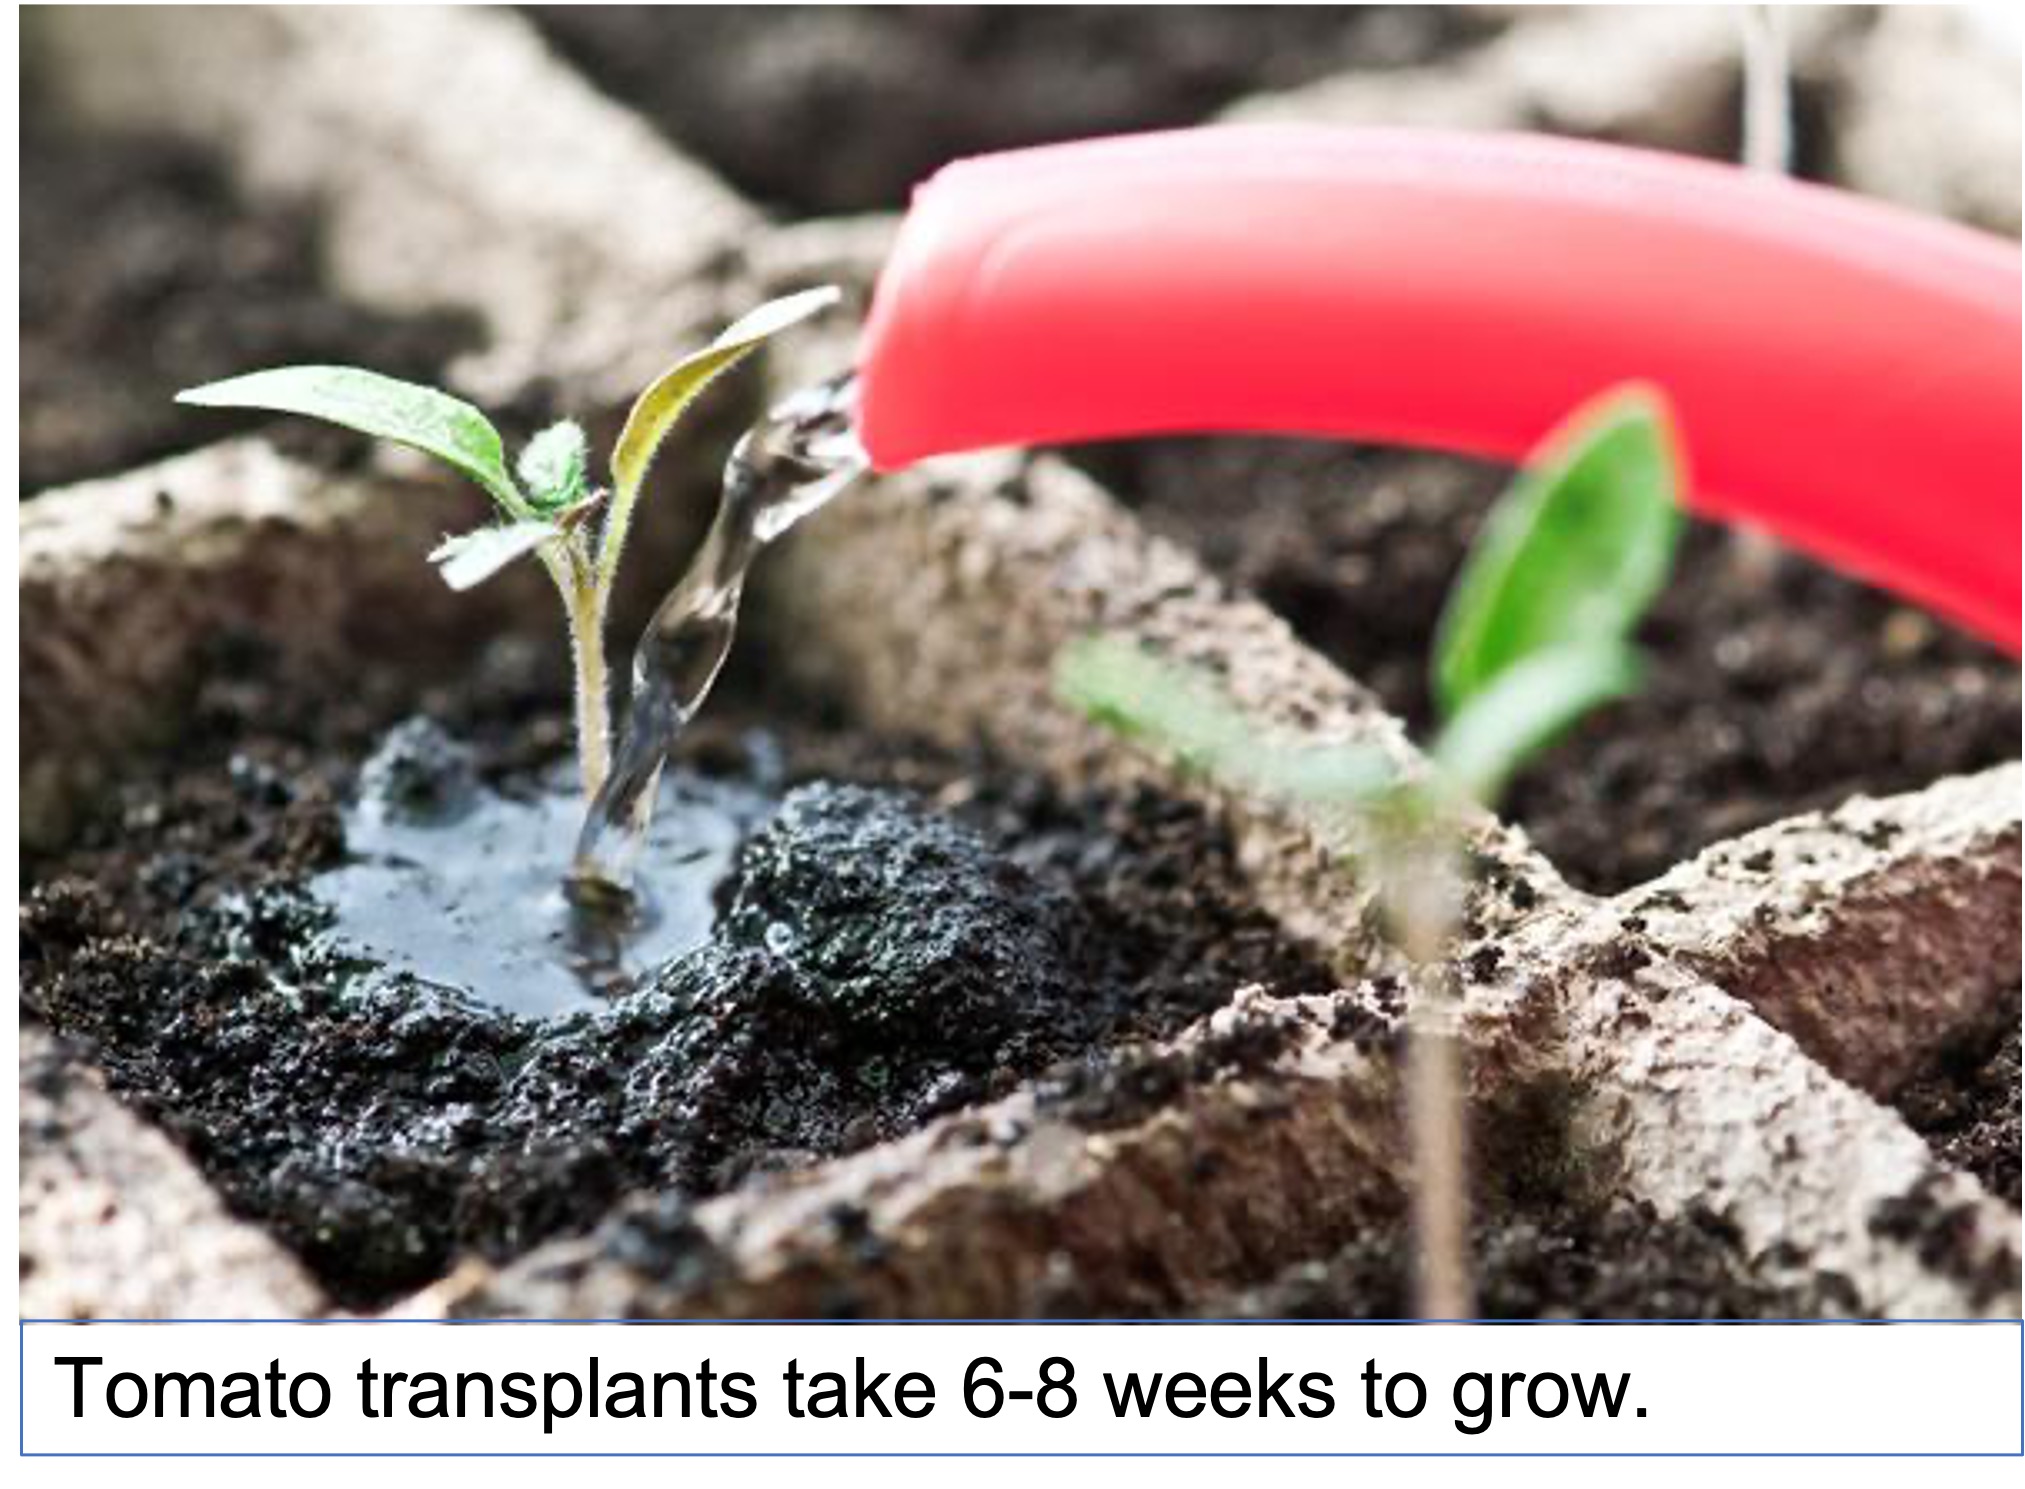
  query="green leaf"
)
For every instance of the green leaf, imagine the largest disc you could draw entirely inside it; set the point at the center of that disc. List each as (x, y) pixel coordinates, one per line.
(1574, 552)
(407, 413)
(1526, 706)
(470, 559)
(552, 467)
(1180, 711)
(669, 396)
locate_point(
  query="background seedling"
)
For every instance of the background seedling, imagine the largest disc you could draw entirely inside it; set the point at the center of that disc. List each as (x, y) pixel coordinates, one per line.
(1536, 633)
(575, 530)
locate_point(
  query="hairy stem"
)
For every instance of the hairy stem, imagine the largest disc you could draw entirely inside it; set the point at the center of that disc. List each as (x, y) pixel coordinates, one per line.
(612, 539)
(593, 692)
(569, 566)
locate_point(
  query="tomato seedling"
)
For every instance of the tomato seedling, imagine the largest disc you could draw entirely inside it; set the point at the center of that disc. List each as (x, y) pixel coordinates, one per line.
(574, 529)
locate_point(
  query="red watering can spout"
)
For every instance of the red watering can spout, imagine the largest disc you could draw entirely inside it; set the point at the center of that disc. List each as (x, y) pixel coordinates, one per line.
(1845, 374)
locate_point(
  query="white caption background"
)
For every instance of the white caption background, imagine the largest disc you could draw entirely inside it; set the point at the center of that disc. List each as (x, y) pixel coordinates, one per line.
(1903, 1388)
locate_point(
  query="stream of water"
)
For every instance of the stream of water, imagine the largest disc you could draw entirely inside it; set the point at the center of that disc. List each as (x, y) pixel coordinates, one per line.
(798, 457)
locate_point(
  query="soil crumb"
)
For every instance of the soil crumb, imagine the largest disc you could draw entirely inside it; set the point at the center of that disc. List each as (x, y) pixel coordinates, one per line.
(142, 272)
(861, 102)
(1764, 696)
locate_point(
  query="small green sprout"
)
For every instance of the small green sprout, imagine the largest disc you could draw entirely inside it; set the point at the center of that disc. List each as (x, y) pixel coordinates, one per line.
(577, 531)
(1536, 633)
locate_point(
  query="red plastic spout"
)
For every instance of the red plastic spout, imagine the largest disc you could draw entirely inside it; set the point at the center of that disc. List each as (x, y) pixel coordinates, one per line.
(1845, 374)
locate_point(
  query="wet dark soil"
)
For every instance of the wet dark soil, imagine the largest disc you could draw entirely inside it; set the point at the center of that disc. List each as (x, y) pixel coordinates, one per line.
(845, 108)
(1967, 1108)
(883, 951)
(142, 273)
(1766, 695)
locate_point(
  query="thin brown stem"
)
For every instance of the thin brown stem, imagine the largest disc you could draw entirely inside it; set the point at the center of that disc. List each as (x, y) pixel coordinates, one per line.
(1423, 900)
(1436, 1129)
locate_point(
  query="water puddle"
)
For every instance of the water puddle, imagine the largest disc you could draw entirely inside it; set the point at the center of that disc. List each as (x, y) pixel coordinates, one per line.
(460, 887)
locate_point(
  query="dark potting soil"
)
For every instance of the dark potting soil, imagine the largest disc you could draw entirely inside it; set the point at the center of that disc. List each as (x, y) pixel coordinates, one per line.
(1765, 695)
(882, 953)
(142, 273)
(845, 108)
(1967, 1108)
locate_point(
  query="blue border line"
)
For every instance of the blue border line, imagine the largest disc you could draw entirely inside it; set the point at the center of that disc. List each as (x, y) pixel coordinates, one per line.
(21, 1382)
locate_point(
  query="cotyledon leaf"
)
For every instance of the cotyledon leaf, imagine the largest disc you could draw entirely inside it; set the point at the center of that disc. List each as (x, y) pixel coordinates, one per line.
(371, 403)
(1140, 696)
(471, 558)
(1575, 551)
(1179, 710)
(669, 396)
